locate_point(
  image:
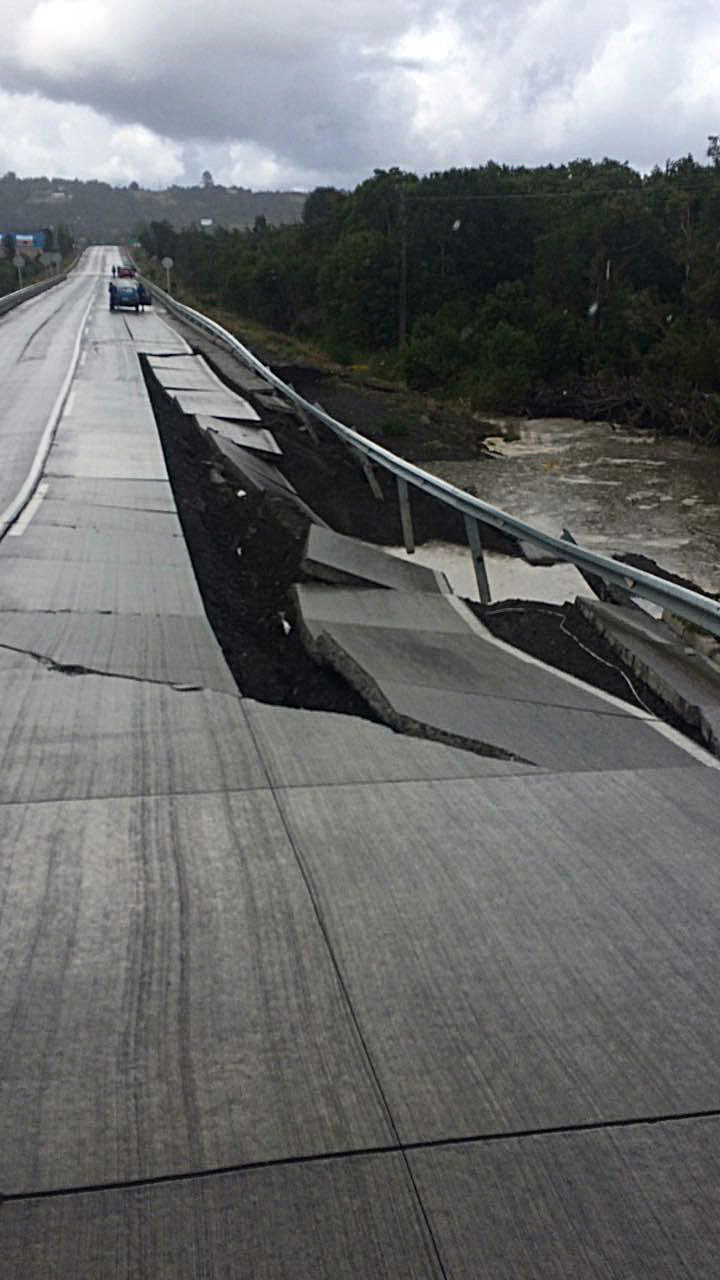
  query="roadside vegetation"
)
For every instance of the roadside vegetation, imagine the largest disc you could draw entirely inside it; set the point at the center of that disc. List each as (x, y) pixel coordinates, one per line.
(59, 240)
(583, 289)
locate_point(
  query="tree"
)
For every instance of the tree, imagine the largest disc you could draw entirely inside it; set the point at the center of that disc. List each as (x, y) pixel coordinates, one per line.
(65, 242)
(9, 244)
(207, 179)
(713, 150)
(49, 239)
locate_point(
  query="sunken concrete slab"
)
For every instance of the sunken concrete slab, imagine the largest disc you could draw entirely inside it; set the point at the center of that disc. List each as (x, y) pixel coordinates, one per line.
(50, 585)
(92, 545)
(411, 611)
(173, 650)
(275, 403)
(169, 998)
(553, 737)
(458, 663)
(336, 558)
(241, 374)
(216, 403)
(348, 1219)
(187, 379)
(525, 952)
(640, 1201)
(680, 674)
(256, 438)
(259, 474)
(76, 737)
(337, 749)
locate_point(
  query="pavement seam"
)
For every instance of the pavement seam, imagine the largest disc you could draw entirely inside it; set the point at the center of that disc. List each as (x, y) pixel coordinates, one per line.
(400, 1148)
(345, 994)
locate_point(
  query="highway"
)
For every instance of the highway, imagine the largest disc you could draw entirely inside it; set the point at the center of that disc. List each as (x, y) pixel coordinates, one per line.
(284, 993)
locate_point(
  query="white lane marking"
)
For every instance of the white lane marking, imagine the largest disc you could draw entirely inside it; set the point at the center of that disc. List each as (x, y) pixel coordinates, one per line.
(69, 404)
(667, 731)
(12, 511)
(26, 516)
(83, 358)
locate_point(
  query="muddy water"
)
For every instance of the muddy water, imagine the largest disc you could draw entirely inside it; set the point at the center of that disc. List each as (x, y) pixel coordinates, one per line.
(616, 490)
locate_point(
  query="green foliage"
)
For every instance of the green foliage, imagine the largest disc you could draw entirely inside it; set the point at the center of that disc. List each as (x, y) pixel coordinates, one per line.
(505, 280)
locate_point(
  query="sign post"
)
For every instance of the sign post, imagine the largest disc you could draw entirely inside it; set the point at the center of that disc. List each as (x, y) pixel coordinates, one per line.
(168, 264)
(19, 262)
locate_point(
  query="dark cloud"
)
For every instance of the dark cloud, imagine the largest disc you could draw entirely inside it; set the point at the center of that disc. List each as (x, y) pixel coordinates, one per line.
(310, 93)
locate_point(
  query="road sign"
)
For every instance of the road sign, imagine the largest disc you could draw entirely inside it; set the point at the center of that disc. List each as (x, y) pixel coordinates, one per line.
(18, 261)
(167, 263)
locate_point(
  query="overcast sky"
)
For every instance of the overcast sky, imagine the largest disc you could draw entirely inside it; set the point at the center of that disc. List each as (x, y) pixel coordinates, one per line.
(278, 94)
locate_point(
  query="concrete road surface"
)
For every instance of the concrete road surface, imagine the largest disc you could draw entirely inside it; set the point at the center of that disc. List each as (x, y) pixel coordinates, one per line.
(286, 994)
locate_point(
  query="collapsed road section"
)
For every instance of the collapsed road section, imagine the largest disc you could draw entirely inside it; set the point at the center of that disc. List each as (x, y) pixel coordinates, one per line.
(286, 992)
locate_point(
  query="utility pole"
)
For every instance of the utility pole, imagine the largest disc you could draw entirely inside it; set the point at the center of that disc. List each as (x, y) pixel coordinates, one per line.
(402, 296)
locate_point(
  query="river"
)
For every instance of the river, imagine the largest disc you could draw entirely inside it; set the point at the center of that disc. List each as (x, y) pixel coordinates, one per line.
(615, 489)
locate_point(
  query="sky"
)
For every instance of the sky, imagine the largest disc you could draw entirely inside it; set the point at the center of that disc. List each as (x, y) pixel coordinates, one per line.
(269, 94)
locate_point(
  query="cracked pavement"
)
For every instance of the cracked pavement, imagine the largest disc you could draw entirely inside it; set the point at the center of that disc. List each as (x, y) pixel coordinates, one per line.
(287, 994)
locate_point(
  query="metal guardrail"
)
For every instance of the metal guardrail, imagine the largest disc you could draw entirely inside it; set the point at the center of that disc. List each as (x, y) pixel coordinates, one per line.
(10, 300)
(697, 608)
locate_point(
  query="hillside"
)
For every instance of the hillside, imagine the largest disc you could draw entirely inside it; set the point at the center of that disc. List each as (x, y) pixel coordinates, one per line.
(98, 212)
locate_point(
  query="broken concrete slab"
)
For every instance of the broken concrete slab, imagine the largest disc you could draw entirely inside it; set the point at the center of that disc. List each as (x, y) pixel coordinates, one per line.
(461, 663)
(256, 438)
(681, 675)
(216, 403)
(184, 379)
(260, 475)
(336, 558)
(51, 586)
(410, 611)
(425, 670)
(339, 748)
(171, 649)
(271, 400)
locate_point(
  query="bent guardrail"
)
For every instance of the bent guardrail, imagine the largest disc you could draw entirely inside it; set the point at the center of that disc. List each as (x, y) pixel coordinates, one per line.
(697, 608)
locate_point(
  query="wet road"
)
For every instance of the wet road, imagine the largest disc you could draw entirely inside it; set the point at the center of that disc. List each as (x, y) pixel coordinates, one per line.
(37, 343)
(617, 490)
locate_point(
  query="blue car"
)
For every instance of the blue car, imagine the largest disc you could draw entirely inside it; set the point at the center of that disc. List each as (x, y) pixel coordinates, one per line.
(127, 293)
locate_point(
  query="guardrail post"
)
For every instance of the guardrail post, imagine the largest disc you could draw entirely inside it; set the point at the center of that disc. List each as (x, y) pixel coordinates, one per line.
(476, 550)
(406, 516)
(370, 476)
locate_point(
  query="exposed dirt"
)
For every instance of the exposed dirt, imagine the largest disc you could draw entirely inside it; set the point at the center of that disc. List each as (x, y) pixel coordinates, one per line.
(246, 556)
(561, 636)
(246, 553)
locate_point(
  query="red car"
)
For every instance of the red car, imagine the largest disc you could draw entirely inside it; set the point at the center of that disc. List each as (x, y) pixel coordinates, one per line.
(126, 271)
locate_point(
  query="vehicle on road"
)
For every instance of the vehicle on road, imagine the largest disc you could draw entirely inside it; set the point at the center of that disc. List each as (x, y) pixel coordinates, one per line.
(126, 272)
(128, 293)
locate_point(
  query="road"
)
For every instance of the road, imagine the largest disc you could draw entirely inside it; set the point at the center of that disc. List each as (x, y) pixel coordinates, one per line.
(37, 341)
(286, 994)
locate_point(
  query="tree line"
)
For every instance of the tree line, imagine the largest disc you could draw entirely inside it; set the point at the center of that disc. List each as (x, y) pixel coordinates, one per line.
(584, 287)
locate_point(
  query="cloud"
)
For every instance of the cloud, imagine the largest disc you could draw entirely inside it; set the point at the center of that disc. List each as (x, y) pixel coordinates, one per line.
(297, 95)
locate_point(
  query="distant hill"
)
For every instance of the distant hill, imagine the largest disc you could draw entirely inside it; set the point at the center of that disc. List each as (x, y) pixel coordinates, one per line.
(110, 215)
